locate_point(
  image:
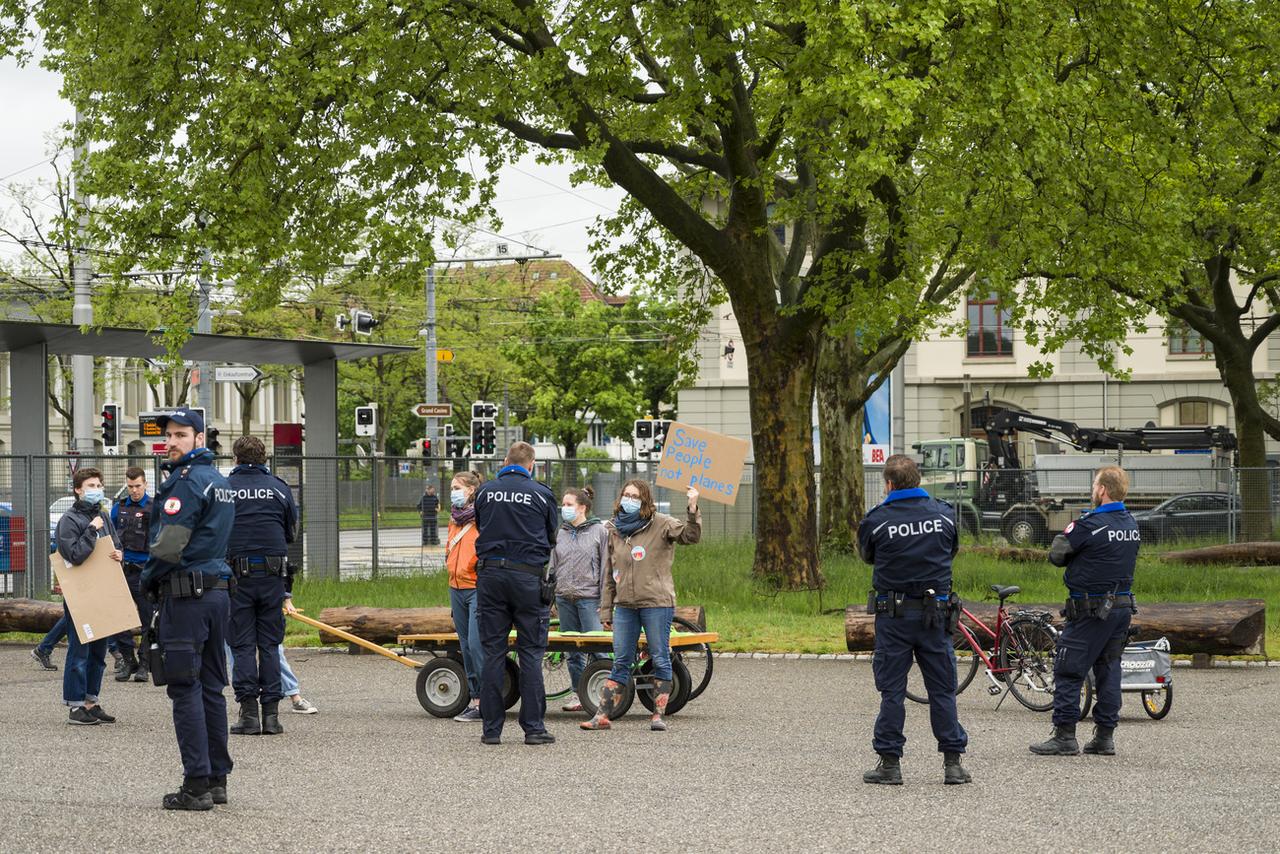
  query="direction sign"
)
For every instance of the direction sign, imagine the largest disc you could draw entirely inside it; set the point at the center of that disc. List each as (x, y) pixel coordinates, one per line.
(433, 410)
(444, 355)
(236, 374)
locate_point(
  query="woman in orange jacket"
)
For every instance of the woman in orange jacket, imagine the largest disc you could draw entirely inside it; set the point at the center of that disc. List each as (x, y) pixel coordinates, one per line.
(460, 559)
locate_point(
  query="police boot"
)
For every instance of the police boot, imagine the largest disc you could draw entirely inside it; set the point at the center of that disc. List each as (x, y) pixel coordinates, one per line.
(127, 666)
(270, 719)
(952, 771)
(1102, 743)
(249, 724)
(661, 695)
(610, 693)
(192, 795)
(1061, 743)
(887, 771)
(218, 789)
(143, 673)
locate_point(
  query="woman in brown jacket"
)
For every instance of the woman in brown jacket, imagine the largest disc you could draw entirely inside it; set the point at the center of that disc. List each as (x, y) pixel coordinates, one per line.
(639, 592)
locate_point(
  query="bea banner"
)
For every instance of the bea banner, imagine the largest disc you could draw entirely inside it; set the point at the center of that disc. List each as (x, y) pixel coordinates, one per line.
(877, 425)
(710, 462)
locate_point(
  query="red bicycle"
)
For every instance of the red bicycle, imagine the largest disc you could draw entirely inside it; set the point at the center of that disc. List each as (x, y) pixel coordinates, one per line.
(1017, 653)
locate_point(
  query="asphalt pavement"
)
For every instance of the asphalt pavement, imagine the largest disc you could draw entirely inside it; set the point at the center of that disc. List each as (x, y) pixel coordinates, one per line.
(768, 759)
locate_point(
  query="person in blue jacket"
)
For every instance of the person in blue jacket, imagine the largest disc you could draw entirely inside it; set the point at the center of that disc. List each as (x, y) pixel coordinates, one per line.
(910, 540)
(131, 517)
(187, 573)
(1099, 552)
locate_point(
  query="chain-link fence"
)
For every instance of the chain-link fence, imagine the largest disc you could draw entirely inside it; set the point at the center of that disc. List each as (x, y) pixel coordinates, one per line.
(364, 516)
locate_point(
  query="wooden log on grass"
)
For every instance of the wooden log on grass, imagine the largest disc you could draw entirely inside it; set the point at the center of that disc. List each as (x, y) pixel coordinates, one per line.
(28, 615)
(1235, 554)
(384, 625)
(1016, 555)
(1233, 627)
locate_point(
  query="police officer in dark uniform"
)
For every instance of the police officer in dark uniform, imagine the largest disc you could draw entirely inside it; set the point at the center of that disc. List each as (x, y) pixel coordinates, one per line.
(187, 572)
(266, 520)
(1099, 551)
(518, 518)
(131, 517)
(910, 539)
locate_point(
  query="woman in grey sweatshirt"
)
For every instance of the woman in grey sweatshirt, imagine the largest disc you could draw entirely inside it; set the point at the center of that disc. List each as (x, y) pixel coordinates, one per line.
(579, 561)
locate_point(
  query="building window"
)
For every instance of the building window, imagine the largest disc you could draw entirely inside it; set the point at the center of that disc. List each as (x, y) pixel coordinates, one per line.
(1193, 413)
(598, 437)
(280, 402)
(989, 332)
(1185, 341)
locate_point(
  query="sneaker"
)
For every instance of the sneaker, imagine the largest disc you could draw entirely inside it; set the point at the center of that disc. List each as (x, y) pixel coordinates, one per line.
(42, 658)
(81, 717)
(573, 704)
(469, 715)
(302, 706)
(100, 713)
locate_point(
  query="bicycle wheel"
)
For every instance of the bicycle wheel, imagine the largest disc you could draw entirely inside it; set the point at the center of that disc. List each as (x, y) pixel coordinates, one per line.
(966, 666)
(696, 658)
(1086, 696)
(1158, 703)
(1026, 650)
(556, 681)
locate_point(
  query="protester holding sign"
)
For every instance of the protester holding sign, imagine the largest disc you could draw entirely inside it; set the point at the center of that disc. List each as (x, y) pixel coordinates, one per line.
(639, 592)
(76, 536)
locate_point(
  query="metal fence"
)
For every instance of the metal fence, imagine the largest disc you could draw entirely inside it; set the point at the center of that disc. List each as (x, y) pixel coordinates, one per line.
(360, 515)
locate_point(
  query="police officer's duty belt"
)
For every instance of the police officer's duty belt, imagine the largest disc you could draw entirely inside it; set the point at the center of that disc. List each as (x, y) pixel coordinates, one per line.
(186, 585)
(267, 565)
(1097, 605)
(502, 563)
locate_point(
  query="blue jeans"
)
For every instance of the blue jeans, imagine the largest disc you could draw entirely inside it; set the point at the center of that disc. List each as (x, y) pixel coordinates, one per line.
(464, 605)
(288, 682)
(578, 615)
(82, 672)
(57, 633)
(627, 623)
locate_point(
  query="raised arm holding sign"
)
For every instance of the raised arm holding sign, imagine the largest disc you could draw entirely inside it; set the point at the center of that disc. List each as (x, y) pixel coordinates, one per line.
(711, 463)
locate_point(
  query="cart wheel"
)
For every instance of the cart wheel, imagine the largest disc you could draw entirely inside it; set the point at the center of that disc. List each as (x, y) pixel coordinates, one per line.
(510, 683)
(592, 681)
(442, 687)
(556, 681)
(680, 685)
(1158, 703)
(697, 658)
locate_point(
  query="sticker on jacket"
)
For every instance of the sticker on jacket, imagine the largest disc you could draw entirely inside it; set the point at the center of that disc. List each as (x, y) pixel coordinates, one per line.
(172, 506)
(638, 552)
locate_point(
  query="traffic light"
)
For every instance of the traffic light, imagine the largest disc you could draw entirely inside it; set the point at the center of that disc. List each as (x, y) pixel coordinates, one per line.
(455, 448)
(484, 437)
(367, 420)
(359, 321)
(110, 425)
(642, 437)
(426, 448)
(484, 409)
(211, 440)
(659, 437)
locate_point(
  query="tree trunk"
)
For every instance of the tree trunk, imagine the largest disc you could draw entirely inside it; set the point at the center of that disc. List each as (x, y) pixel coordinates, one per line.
(28, 615)
(1235, 627)
(1255, 480)
(840, 425)
(1236, 554)
(570, 447)
(384, 625)
(782, 355)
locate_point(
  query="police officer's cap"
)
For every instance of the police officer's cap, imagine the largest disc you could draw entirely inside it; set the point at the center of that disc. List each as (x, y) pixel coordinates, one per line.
(186, 416)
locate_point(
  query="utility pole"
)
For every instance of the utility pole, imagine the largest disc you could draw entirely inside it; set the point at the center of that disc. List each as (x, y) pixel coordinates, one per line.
(204, 326)
(432, 384)
(82, 400)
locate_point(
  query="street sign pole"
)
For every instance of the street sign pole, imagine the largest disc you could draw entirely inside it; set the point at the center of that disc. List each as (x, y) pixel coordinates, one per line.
(431, 356)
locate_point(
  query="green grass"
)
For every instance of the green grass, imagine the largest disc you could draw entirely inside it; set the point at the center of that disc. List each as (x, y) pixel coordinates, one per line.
(716, 576)
(358, 520)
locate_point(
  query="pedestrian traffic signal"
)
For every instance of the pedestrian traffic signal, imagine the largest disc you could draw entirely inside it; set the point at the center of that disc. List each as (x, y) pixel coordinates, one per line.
(211, 440)
(455, 448)
(110, 425)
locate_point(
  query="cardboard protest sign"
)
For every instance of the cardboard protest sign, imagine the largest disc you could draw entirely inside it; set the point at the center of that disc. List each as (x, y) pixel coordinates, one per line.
(97, 595)
(711, 462)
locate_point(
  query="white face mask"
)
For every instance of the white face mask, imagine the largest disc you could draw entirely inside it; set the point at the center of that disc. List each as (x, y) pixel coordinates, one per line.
(568, 512)
(458, 497)
(629, 505)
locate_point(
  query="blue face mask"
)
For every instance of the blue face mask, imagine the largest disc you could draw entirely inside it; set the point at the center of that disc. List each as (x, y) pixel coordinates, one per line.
(630, 505)
(94, 496)
(457, 497)
(568, 513)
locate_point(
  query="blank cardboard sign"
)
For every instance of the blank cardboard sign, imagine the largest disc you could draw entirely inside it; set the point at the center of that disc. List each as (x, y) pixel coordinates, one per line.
(97, 595)
(711, 462)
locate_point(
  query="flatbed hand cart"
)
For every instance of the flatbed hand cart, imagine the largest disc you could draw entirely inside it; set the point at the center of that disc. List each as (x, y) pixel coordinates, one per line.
(1146, 668)
(442, 681)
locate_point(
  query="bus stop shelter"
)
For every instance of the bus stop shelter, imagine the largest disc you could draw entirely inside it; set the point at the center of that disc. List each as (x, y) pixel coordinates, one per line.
(31, 344)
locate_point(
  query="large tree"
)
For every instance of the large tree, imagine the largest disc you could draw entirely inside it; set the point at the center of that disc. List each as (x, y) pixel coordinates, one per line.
(296, 132)
(1154, 191)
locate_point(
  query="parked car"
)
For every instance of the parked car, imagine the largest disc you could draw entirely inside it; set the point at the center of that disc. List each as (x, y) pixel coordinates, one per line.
(1189, 516)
